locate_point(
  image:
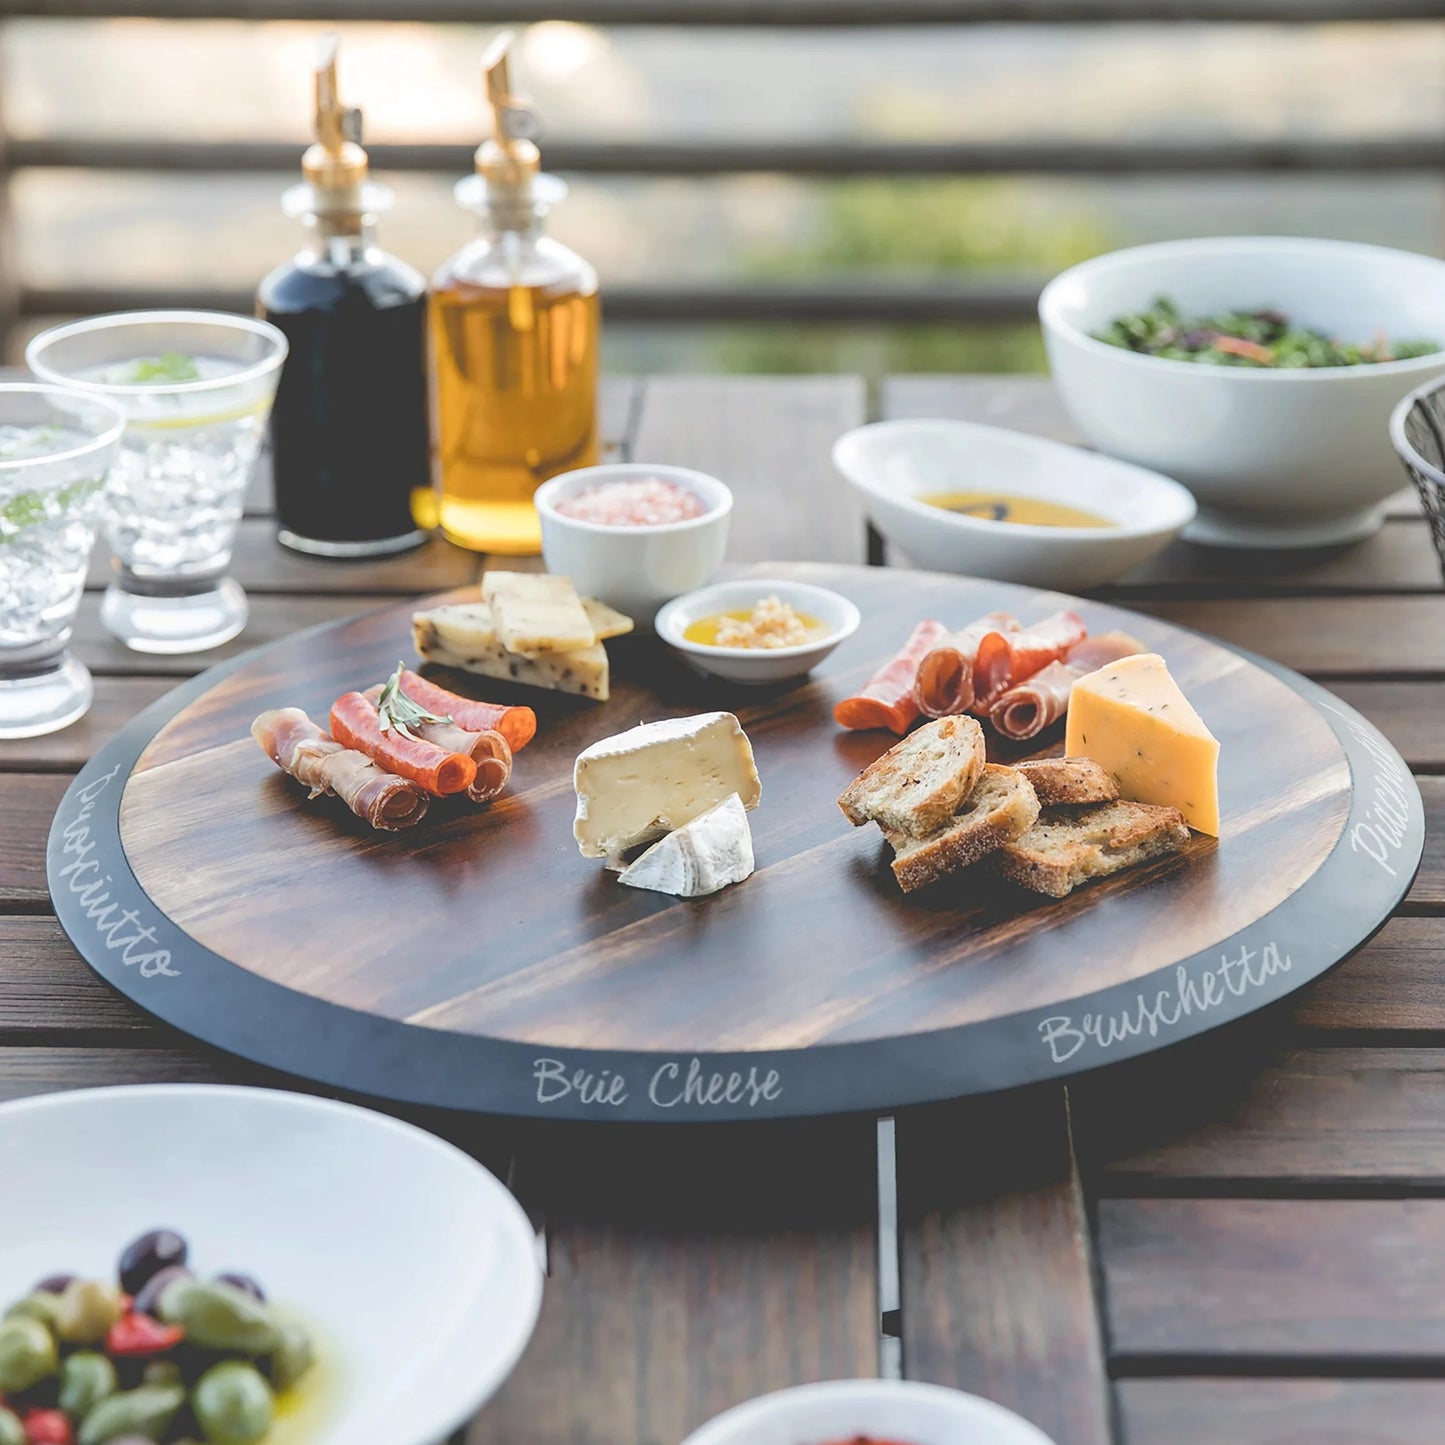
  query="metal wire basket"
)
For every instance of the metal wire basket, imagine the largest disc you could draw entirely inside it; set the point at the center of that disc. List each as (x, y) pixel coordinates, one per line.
(1418, 431)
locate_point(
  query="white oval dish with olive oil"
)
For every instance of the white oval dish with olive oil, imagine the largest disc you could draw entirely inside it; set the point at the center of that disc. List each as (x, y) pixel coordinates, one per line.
(957, 497)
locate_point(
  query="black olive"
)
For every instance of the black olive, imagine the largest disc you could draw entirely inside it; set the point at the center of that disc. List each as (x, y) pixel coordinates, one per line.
(53, 1284)
(245, 1283)
(149, 1254)
(148, 1295)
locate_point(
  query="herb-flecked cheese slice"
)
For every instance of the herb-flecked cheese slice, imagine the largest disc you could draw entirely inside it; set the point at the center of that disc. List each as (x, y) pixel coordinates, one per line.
(535, 612)
(462, 636)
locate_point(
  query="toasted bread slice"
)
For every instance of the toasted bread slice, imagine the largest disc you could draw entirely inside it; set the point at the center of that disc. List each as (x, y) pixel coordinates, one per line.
(1001, 807)
(1068, 847)
(1069, 780)
(918, 784)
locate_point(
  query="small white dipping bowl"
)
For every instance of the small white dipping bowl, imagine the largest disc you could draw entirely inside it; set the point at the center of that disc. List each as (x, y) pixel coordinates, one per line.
(634, 569)
(893, 463)
(840, 1410)
(1295, 457)
(413, 1266)
(757, 665)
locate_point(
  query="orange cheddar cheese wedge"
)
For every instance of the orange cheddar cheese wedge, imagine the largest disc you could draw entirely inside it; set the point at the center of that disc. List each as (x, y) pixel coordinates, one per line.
(1132, 719)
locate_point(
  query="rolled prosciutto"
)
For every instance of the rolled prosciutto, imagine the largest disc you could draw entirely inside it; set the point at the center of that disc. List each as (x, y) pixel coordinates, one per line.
(356, 723)
(517, 724)
(1024, 711)
(298, 747)
(886, 699)
(488, 749)
(944, 685)
(1006, 659)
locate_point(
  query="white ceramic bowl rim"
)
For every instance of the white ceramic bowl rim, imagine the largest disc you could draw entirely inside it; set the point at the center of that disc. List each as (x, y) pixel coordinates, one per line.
(436, 1416)
(1051, 307)
(793, 1407)
(669, 630)
(1403, 445)
(716, 496)
(1165, 489)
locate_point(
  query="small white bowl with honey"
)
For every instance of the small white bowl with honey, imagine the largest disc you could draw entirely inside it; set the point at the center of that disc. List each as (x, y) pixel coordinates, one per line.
(757, 630)
(959, 497)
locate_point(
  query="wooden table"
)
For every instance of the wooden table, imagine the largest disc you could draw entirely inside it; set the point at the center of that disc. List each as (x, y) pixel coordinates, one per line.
(1241, 1239)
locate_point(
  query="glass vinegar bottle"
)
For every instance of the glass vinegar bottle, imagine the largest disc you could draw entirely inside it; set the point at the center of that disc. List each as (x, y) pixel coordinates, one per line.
(514, 325)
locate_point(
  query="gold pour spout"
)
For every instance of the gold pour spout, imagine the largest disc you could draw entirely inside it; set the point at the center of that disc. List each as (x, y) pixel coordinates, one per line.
(336, 165)
(508, 159)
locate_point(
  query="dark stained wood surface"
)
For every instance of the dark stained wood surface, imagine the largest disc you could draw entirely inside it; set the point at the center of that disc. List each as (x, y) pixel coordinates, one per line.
(577, 962)
(659, 1314)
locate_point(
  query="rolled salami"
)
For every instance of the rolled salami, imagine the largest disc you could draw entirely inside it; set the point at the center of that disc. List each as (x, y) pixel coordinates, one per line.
(886, 700)
(1024, 711)
(1006, 659)
(517, 724)
(298, 747)
(944, 686)
(488, 749)
(356, 723)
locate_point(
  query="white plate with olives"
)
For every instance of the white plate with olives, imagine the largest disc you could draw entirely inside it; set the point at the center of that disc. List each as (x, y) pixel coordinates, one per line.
(250, 1267)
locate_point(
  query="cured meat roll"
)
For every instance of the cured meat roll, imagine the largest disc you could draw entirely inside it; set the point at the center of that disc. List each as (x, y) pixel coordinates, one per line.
(489, 749)
(944, 686)
(298, 747)
(1024, 711)
(356, 723)
(886, 700)
(1006, 659)
(517, 724)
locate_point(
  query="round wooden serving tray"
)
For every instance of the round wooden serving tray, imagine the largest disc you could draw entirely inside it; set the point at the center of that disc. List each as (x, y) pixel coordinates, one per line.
(479, 962)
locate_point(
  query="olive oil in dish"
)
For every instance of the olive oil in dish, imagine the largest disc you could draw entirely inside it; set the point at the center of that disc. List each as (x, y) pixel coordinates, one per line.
(349, 430)
(514, 335)
(1026, 511)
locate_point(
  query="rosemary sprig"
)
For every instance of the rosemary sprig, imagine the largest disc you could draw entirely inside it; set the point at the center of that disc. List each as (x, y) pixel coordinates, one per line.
(398, 712)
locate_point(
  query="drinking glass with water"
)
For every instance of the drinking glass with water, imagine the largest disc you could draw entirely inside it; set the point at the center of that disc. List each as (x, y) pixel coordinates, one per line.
(196, 388)
(57, 448)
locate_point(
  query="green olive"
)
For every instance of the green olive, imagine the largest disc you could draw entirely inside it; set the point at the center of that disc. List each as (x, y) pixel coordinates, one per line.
(161, 1372)
(12, 1432)
(219, 1317)
(232, 1404)
(146, 1411)
(86, 1378)
(292, 1357)
(27, 1354)
(42, 1307)
(87, 1310)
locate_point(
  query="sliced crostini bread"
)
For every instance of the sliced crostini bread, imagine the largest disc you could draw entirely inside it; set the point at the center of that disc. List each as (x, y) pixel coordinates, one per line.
(1069, 780)
(919, 783)
(1001, 807)
(1067, 847)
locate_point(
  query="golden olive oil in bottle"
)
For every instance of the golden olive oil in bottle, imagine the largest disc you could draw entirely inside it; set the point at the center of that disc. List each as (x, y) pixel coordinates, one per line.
(514, 327)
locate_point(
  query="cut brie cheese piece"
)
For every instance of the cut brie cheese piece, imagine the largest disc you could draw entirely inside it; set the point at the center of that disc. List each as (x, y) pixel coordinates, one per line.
(462, 636)
(699, 858)
(536, 612)
(643, 783)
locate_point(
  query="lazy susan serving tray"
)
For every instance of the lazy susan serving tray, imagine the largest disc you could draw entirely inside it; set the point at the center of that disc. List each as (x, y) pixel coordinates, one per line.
(480, 963)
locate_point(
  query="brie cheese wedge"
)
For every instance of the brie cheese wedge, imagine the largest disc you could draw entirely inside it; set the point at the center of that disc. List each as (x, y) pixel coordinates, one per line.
(699, 858)
(644, 783)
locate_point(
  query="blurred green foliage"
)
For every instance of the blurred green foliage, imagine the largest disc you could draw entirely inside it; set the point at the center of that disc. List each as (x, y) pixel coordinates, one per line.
(919, 229)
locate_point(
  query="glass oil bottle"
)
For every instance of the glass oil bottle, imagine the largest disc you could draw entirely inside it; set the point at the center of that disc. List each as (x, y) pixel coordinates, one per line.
(350, 427)
(514, 337)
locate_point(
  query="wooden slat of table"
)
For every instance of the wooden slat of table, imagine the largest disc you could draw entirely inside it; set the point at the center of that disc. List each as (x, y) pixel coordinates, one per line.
(1395, 984)
(690, 1270)
(770, 439)
(1282, 1412)
(996, 1280)
(1342, 1284)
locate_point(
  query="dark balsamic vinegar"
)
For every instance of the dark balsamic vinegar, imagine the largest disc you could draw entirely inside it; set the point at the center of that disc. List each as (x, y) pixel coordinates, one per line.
(349, 429)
